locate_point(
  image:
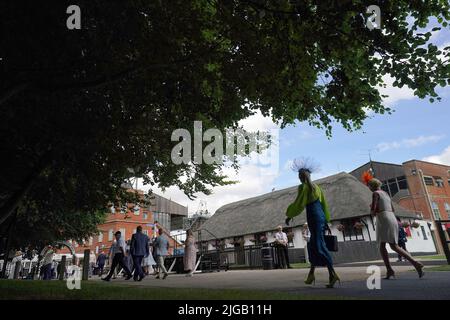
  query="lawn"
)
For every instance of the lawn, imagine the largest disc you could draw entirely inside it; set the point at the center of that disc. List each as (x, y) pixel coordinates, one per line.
(431, 257)
(45, 290)
(439, 268)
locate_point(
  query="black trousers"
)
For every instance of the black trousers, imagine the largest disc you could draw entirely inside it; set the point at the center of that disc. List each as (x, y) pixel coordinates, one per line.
(100, 269)
(137, 266)
(118, 260)
(283, 257)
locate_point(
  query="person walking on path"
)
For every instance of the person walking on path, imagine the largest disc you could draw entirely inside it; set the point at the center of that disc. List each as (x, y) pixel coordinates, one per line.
(139, 250)
(119, 252)
(149, 262)
(190, 254)
(311, 197)
(387, 228)
(162, 246)
(402, 238)
(101, 259)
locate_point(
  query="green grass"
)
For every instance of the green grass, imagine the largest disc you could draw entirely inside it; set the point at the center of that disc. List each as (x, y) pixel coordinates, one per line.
(439, 268)
(45, 290)
(431, 257)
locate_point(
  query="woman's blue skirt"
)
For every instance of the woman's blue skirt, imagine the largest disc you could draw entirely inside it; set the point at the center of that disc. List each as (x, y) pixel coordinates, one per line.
(317, 249)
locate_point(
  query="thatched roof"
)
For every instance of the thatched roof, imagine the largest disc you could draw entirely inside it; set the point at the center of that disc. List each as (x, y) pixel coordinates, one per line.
(346, 196)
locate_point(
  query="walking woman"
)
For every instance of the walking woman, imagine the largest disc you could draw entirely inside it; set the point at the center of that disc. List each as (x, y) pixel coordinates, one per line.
(190, 254)
(387, 228)
(311, 197)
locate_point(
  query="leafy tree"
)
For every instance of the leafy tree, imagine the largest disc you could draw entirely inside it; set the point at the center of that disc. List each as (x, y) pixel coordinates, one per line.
(83, 110)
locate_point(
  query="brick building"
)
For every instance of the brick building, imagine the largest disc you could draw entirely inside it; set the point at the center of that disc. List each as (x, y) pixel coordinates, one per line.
(418, 185)
(126, 219)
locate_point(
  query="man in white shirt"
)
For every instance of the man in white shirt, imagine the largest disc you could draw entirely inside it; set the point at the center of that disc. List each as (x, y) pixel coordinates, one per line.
(118, 251)
(47, 263)
(281, 242)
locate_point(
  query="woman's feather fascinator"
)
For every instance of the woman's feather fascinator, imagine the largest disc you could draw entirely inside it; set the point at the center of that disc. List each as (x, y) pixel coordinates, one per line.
(304, 164)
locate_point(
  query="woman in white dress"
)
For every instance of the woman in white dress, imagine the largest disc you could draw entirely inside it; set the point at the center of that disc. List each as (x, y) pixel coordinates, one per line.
(148, 262)
(387, 228)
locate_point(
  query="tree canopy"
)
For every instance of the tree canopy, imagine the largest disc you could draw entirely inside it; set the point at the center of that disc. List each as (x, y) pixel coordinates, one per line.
(83, 110)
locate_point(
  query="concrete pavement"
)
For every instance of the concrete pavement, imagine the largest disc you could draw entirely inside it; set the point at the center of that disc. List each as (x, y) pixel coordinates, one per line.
(435, 285)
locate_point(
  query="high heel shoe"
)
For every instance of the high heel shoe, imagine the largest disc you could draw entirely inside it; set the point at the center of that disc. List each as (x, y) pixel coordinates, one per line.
(389, 274)
(419, 269)
(333, 280)
(310, 279)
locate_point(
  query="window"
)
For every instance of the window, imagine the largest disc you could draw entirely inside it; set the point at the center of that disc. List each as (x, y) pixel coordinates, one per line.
(145, 215)
(123, 235)
(350, 232)
(100, 237)
(428, 181)
(113, 210)
(91, 241)
(402, 183)
(136, 210)
(385, 188)
(439, 182)
(393, 187)
(447, 208)
(436, 212)
(110, 234)
(96, 250)
(123, 209)
(260, 238)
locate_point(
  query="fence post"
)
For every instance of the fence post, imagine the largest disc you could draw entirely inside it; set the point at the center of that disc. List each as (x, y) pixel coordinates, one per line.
(86, 264)
(62, 268)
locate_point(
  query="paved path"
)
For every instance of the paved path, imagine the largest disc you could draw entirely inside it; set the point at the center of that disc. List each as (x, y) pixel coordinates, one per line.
(435, 285)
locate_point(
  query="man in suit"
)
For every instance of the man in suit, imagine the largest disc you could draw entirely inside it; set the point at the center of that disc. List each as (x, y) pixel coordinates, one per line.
(139, 249)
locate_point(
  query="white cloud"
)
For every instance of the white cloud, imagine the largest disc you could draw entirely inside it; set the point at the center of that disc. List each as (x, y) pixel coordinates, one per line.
(252, 181)
(258, 122)
(256, 175)
(442, 158)
(395, 94)
(408, 143)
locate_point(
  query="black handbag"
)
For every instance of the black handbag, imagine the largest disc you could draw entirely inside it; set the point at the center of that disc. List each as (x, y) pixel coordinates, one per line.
(331, 241)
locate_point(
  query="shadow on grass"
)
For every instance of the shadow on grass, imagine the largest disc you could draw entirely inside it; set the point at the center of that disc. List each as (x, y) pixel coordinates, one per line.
(57, 290)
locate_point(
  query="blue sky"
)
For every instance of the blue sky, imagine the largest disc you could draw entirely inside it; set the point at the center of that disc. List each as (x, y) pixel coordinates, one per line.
(416, 130)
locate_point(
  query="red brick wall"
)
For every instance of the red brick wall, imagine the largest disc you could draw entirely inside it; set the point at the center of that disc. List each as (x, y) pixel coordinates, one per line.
(417, 201)
(116, 222)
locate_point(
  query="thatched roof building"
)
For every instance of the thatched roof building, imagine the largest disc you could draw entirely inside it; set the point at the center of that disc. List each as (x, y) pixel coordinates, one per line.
(347, 198)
